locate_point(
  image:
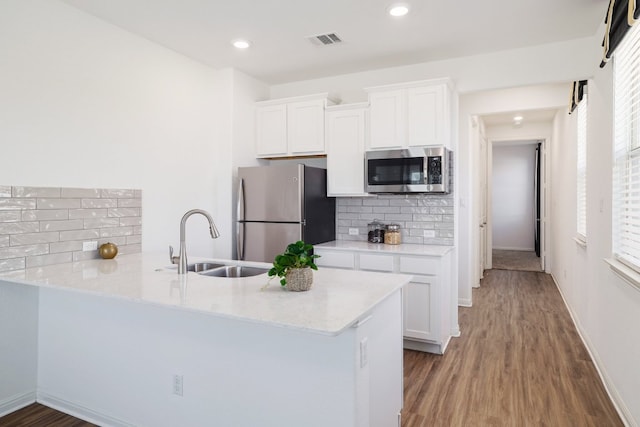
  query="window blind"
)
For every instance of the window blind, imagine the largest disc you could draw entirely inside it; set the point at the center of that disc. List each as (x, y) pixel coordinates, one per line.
(581, 167)
(626, 175)
(621, 16)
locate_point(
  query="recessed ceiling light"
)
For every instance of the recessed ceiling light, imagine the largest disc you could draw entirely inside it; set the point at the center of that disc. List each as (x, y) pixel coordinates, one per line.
(398, 10)
(241, 43)
(518, 118)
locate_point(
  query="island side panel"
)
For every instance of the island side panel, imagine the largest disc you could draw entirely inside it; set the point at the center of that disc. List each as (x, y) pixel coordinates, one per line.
(18, 346)
(385, 357)
(113, 361)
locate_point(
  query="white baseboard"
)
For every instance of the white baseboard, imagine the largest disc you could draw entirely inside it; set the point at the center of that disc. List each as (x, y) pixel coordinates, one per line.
(80, 411)
(426, 347)
(455, 331)
(16, 402)
(618, 403)
(464, 302)
(509, 248)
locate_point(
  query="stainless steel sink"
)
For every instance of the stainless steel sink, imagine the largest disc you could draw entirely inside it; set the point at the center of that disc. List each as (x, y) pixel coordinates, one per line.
(203, 266)
(235, 271)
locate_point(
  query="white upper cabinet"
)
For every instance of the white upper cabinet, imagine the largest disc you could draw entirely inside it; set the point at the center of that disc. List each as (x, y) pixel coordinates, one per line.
(410, 114)
(345, 142)
(291, 127)
(271, 125)
(387, 119)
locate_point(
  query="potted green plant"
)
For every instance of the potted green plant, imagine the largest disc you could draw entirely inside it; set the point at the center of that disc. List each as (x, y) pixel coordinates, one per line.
(294, 266)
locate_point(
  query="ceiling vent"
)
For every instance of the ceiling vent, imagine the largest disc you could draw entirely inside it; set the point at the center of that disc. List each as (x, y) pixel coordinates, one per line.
(325, 39)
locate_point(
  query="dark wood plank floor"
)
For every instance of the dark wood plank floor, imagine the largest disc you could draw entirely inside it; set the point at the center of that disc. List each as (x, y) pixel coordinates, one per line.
(37, 415)
(519, 362)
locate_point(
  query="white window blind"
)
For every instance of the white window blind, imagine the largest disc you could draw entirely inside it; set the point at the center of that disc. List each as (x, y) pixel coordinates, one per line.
(626, 173)
(581, 211)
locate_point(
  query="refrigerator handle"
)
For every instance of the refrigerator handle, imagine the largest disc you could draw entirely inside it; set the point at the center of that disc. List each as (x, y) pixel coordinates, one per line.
(240, 241)
(240, 224)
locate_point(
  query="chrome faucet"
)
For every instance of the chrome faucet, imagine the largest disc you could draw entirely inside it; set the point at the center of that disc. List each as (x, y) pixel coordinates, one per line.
(182, 258)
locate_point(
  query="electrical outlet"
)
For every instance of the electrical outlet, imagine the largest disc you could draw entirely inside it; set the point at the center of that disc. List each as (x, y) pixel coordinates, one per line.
(429, 233)
(177, 384)
(353, 232)
(89, 246)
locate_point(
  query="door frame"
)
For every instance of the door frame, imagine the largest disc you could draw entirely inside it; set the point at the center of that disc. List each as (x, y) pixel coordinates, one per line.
(544, 193)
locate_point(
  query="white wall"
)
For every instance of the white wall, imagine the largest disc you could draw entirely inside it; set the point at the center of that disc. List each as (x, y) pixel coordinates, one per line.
(513, 201)
(526, 66)
(86, 104)
(605, 308)
(18, 346)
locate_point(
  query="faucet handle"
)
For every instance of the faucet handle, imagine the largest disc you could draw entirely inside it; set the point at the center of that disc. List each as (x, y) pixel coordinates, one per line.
(174, 259)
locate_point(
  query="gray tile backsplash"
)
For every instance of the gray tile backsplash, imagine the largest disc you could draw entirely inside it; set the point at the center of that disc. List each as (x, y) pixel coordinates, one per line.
(46, 225)
(423, 218)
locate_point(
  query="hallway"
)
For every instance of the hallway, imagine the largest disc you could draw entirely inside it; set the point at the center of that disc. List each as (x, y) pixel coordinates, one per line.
(519, 362)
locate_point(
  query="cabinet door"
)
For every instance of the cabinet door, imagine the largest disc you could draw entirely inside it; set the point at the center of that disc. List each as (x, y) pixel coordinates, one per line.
(426, 115)
(305, 121)
(387, 123)
(421, 309)
(271, 130)
(345, 139)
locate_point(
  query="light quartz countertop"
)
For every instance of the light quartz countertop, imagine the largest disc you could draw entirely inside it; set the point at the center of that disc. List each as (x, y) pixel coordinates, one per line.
(337, 300)
(404, 248)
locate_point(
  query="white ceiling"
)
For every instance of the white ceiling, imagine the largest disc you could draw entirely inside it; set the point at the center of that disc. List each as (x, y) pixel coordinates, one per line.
(434, 29)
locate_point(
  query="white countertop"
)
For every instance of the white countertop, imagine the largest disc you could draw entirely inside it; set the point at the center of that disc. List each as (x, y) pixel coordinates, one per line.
(338, 299)
(404, 248)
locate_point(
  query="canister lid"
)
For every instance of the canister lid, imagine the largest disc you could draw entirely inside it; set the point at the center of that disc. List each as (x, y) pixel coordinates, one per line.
(375, 224)
(393, 227)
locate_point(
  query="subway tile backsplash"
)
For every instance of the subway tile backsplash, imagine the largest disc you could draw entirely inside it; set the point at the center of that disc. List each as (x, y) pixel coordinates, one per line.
(423, 218)
(47, 225)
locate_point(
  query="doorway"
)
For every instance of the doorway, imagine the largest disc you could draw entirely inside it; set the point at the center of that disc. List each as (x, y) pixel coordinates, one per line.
(515, 194)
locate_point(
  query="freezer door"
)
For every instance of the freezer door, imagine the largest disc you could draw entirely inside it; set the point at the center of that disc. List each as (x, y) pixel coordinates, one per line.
(272, 193)
(264, 240)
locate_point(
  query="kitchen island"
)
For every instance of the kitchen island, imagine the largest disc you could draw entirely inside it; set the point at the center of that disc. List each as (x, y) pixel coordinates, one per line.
(130, 342)
(430, 310)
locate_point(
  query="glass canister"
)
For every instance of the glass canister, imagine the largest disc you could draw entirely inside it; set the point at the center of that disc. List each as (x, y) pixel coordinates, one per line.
(392, 234)
(376, 232)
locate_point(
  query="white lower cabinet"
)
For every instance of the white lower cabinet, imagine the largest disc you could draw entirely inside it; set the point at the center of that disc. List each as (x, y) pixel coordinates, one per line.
(428, 306)
(419, 323)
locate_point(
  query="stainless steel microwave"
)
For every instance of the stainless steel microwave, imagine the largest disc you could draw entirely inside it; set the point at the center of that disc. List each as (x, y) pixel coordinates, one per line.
(410, 170)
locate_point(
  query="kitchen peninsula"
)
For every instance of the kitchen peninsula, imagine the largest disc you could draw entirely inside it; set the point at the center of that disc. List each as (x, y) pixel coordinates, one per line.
(130, 342)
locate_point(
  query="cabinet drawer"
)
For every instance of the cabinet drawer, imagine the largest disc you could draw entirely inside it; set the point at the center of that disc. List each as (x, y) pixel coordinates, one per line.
(335, 259)
(420, 265)
(376, 262)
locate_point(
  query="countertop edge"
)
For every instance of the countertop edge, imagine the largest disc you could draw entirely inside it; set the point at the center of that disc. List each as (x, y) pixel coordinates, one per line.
(381, 248)
(402, 281)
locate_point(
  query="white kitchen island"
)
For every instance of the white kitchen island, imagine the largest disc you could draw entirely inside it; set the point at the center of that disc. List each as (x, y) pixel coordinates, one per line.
(127, 342)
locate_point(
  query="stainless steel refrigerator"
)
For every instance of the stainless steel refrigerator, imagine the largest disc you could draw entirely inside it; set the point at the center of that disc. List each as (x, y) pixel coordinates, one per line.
(282, 204)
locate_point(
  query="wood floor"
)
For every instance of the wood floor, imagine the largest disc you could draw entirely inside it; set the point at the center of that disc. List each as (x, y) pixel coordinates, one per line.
(519, 362)
(37, 415)
(515, 260)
